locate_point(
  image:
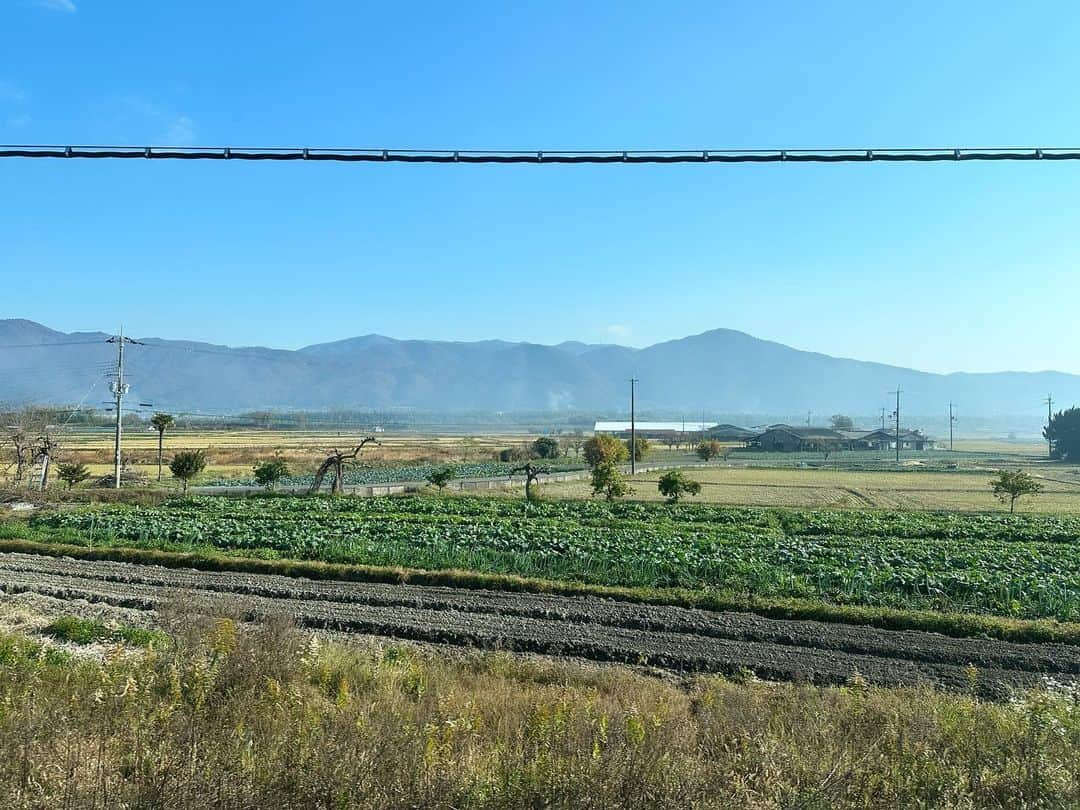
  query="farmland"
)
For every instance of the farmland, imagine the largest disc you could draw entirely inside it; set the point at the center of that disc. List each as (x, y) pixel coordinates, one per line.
(860, 592)
(911, 488)
(1024, 565)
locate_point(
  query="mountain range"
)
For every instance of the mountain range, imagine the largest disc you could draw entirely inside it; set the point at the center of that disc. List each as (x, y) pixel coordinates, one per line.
(720, 371)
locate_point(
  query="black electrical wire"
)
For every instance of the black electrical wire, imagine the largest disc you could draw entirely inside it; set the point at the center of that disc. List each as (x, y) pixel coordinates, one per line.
(831, 155)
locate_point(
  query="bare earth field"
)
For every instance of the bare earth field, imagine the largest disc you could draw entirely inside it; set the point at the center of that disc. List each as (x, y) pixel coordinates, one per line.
(678, 639)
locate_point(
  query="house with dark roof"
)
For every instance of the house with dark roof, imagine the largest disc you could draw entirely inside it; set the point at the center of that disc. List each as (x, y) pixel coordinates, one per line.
(886, 440)
(729, 433)
(790, 439)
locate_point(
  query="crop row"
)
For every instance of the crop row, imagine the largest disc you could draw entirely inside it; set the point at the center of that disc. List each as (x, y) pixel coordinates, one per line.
(862, 523)
(763, 552)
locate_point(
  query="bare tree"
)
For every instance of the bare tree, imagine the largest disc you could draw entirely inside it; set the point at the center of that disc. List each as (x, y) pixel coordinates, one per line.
(45, 448)
(21, 435)
(336, 462)
(532, 472)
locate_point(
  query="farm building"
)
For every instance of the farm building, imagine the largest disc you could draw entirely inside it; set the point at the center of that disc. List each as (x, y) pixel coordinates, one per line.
(788, 439)
(886, 440)
(730, 433)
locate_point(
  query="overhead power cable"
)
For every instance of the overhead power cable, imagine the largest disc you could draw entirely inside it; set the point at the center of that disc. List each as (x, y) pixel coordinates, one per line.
(368, 155)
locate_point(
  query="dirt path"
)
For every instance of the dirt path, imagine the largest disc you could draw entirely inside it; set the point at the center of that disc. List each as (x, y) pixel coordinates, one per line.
(603, 630)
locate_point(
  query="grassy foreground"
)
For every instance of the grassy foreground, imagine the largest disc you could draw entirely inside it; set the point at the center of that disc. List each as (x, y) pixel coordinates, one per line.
(220, 716)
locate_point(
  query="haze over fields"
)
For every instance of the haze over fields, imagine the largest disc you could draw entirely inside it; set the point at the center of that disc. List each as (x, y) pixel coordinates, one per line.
(720, 370)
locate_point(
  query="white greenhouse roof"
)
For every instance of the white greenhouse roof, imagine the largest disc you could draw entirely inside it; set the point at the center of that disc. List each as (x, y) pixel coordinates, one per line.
(678, 427)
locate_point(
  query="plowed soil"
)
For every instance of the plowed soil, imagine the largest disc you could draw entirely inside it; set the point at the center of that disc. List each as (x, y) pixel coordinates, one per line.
(677, 639)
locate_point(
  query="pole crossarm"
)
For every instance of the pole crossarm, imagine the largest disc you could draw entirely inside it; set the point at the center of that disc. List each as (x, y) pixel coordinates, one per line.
(540, 156)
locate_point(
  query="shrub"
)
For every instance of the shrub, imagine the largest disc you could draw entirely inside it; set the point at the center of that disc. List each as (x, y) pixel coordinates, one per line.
(186, 465)
(608, 480)
(441, 477)
(73, 473)
(545, 447)
(269, 472)
(709, 449)
(673, 485)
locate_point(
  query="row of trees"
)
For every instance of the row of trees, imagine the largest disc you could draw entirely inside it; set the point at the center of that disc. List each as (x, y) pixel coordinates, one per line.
(1063, 434)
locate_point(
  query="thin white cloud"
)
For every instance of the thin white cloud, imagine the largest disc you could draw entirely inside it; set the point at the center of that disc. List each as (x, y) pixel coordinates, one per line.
(618, 331)
(20, 120)
(170, 128)
(11, 93)
(65, 6)
(181, 132)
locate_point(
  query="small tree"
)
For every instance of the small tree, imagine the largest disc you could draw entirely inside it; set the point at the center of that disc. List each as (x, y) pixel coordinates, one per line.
(73, 473)
(513, 454)
(608, 480)
(709, 449)
(1009, 487)
(269, 472)
(673, 485)
(841, 422)
(186, 465)
(532, 472)
(545, 447)
(605, 449)
(161, 423)
(641, 449)
(441, 477)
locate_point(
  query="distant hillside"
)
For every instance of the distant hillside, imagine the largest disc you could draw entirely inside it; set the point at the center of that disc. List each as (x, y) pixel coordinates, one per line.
(719, 371)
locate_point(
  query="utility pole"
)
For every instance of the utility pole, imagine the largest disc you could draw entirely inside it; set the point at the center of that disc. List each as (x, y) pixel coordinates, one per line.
(883, 418)
(1049, 419)
(898, 392)
(808, 415)
(119, 388)
(633, 429)
(952, 419)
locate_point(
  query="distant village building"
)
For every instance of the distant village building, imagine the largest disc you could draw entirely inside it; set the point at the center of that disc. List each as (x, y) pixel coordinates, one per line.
(778, 438)
(730, 433)
(789, 439)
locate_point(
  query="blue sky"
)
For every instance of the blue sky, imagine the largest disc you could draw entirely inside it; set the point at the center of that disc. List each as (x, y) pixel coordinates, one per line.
(942, 267)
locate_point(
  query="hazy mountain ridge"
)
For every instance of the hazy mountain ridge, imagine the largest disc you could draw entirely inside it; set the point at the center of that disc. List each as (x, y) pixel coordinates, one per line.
(721, 370)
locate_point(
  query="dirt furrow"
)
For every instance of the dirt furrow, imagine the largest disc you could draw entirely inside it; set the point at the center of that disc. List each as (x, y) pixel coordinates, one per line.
(605, 630)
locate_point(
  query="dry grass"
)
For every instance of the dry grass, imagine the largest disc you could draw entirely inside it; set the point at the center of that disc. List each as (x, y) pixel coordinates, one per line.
(222, 717)
(922, 489)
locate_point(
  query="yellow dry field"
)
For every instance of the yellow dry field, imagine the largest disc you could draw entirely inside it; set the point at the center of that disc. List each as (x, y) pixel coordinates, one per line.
(1023, 447)
(853, 489)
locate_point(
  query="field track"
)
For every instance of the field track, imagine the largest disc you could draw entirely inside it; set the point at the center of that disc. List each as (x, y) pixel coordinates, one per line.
(671, 638)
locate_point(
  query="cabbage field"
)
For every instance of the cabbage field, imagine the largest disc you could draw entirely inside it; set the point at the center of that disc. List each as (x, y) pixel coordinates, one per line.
(1022, 565)
(388, 474)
